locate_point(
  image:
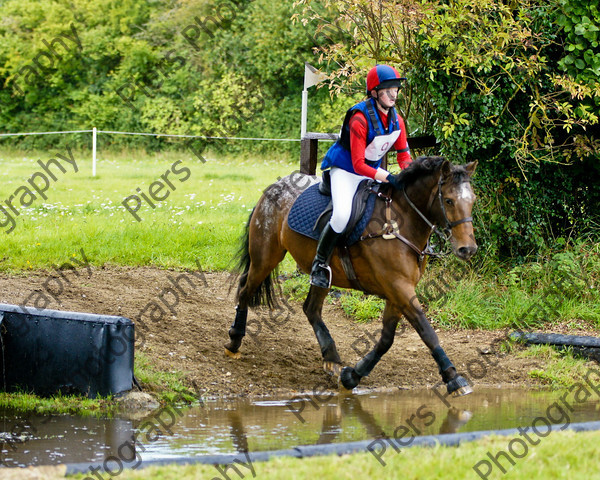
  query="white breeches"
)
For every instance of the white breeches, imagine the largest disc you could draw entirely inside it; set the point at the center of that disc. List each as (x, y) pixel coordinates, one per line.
(343, 188)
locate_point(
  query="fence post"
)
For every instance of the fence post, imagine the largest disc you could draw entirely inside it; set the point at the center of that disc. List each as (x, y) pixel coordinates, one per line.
(94, 152)
(309, 146)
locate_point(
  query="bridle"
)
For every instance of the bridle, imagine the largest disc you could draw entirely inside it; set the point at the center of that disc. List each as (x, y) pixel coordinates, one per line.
(447, 233)
(390, 228)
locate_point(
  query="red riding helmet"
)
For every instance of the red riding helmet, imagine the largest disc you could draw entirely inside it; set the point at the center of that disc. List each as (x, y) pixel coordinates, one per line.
(383, 76)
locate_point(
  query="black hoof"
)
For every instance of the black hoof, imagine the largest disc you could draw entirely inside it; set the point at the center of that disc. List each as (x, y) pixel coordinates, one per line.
(458, 386)
(235, 342)
(349, 378)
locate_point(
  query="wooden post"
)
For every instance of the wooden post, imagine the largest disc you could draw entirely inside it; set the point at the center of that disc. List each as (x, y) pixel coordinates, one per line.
(309, 150)
(384, 162)
(308, 155)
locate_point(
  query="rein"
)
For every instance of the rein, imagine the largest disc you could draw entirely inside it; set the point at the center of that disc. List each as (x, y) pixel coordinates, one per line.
(390, 229)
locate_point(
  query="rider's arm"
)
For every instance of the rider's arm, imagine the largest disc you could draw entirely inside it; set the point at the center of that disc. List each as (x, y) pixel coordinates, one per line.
(401, 146)
(358, 144)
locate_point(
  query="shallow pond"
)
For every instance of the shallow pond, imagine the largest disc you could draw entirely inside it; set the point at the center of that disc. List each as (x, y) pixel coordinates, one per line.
(276, 423)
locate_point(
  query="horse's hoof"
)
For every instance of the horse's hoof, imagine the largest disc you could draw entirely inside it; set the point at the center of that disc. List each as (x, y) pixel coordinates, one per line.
(462, 391)
(458, 387)
(343, 390)
(230, 354)
(348, 378)
(332, 368)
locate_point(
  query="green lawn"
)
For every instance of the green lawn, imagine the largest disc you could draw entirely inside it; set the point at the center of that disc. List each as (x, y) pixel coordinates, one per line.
(201, 217)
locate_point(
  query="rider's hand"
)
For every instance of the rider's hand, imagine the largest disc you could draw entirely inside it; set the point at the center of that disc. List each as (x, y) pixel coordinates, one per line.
(381, 175)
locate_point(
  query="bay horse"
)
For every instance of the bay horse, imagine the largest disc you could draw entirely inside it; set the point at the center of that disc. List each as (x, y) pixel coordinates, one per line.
(388, 262)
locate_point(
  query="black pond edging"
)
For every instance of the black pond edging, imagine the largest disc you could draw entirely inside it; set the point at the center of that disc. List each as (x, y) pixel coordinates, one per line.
(585, 346)
(448, 439)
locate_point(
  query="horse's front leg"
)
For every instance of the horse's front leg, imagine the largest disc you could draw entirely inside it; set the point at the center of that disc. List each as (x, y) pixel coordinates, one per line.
(350, 377)
(455, 384)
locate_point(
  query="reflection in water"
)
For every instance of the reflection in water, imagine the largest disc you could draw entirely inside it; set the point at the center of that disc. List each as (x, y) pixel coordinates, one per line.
(455, 419)
(58, 439)
(238, 434)
(254, 425)
(351, 406)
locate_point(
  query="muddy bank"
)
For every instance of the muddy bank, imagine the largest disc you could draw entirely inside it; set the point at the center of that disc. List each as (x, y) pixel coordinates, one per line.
(187, 316)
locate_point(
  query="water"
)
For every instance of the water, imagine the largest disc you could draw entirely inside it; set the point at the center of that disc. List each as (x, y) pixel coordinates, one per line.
(275, 423)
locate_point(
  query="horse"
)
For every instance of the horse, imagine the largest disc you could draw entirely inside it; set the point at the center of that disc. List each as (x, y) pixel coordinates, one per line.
(389, 261)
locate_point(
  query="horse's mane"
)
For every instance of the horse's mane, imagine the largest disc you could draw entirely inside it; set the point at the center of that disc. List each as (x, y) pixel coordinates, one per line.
(424, 166)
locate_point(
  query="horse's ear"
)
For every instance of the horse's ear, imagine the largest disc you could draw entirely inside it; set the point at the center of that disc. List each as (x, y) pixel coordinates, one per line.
(470, 167)
(446, 169)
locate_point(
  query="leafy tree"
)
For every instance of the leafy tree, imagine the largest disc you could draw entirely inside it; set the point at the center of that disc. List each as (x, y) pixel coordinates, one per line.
(222, 67)
(513, 84)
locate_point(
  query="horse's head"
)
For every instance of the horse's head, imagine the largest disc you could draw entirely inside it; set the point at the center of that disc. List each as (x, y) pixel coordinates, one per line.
(453, 205)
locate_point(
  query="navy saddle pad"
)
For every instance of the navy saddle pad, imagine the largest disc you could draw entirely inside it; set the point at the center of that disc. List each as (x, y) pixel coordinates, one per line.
(309, 206)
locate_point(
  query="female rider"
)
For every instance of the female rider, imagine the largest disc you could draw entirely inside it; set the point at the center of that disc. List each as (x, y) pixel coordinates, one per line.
(371, 128)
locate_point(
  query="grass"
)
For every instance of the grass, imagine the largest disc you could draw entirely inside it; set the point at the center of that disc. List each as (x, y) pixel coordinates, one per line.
(201, 218)
(57, 404)
(560, 455)
(562, 368)
(361, 307)
(166, 386)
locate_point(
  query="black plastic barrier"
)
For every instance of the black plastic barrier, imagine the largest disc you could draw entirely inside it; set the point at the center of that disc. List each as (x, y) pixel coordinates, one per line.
(47, 351)
(586, 346)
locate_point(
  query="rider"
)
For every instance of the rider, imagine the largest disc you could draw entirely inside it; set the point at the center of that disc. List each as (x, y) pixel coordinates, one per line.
(371, 128)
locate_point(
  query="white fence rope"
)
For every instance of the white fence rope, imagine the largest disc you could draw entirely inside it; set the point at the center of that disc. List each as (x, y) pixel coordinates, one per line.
(43, 133)
(203, 136)
(95, 131)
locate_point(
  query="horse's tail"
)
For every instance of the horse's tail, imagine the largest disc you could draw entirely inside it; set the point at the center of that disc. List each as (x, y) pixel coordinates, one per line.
(264, 294)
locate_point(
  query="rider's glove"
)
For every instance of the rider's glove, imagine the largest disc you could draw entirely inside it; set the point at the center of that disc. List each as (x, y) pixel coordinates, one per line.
(393, 180)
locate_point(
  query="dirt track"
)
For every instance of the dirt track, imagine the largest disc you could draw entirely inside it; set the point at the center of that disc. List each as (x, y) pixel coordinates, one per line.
(280, 352)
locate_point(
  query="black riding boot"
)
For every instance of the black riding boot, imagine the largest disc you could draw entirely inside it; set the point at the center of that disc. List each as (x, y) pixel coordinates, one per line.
(320, 275)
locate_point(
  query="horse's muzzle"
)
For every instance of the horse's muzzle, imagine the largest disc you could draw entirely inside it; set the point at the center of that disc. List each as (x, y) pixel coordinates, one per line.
(466, 252)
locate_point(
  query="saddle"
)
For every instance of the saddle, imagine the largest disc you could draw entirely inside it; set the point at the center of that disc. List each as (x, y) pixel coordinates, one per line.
(313, 208)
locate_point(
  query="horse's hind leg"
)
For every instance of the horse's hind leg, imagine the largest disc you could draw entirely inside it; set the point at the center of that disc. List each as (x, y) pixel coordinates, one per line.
(313, 306)
(259, 259)
(237, 333)
(251, 283)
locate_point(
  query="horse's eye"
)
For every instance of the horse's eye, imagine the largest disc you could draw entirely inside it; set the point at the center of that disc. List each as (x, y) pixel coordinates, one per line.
(449, 202)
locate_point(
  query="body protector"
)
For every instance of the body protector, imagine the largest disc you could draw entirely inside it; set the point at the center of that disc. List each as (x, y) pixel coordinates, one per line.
(380, 138)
